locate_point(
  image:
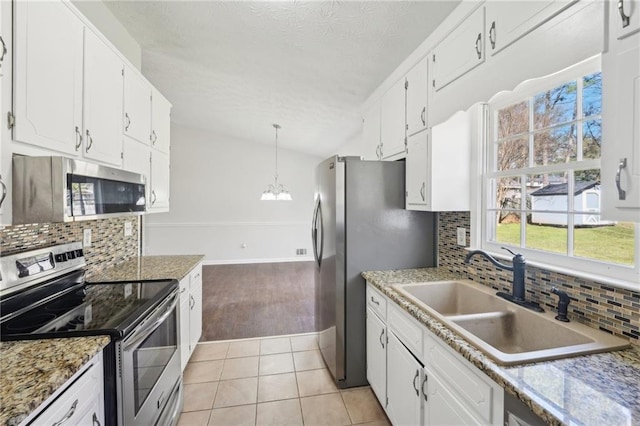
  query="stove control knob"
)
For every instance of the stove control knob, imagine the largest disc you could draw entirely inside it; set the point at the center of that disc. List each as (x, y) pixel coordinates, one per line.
(71, 254)
(79, 253)
(62, 257)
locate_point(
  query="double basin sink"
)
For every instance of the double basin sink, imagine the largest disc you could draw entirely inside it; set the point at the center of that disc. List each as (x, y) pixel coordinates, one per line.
(508, 333)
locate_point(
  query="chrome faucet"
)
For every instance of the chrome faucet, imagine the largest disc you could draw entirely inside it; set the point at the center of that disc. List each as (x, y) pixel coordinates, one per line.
(518, 266)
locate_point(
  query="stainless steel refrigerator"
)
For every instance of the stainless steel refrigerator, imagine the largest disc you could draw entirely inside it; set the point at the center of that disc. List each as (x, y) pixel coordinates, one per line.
(360, 224)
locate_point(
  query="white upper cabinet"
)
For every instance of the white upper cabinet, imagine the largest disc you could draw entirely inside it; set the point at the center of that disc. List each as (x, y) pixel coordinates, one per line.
(48, 76)
(416, 171)
(371, 132)
(137, 106)
(625, 18)
(102, 101)
(508, 21)
(159, 194)
(437, 167)
(460, 52)
(160, 122)
(417, 92)
(621, 123)
(393, 121)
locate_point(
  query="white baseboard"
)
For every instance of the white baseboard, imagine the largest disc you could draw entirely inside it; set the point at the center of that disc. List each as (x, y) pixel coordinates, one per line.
(246, 261)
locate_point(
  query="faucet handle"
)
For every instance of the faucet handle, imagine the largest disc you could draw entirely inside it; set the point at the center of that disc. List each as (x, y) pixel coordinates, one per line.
(509, 250)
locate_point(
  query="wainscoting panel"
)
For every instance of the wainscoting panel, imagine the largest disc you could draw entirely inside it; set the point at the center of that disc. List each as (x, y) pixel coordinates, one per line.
(231, 242)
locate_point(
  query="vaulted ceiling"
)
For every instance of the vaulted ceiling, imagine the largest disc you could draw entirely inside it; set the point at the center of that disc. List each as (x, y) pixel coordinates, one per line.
(236, 67)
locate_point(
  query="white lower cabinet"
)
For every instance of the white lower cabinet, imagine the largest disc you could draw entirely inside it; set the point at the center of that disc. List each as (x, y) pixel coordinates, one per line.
(190, 312)
(79, 402)
(404, 377)
(427, 382)
(441, 406)
(377, 354)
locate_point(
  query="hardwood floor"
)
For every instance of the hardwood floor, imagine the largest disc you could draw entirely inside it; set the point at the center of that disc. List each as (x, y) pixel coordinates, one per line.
(257, 300)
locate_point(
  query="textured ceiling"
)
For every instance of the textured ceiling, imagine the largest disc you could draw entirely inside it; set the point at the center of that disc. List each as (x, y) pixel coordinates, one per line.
(236, 67)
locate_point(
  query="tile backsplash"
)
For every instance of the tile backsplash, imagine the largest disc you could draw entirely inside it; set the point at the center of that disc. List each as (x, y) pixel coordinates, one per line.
(597, 305)
(109, 246)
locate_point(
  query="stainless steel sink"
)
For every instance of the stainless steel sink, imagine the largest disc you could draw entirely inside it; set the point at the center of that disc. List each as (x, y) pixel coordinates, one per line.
(508, 333)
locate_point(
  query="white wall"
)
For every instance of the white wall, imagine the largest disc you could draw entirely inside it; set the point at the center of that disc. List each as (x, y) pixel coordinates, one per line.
(216, 183)
(111, 28)
(355, 146)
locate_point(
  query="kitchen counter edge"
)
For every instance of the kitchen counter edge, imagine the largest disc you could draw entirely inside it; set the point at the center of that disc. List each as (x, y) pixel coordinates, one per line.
(25, 386)
(505, 376)
(149, 268)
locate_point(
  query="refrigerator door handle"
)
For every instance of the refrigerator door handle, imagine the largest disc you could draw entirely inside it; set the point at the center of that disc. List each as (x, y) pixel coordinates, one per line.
(317, 218)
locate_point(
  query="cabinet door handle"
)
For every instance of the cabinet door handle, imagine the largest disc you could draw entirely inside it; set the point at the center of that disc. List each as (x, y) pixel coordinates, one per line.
(4, 49)
(423, 116)
(89, 141)
(625, 18)
(126, 126)
(381, 335)
(492, 35)
(78, 138)
(95, 419)
(422, 188)
(154, 137)
(424, 391)
(375, 301)
(478, 45)
(414, 382)
(192, 302)
(622, 194)
(69, 414)
(4, 191)
(153, 197)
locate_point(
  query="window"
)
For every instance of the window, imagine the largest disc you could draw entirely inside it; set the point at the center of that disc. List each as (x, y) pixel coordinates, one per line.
(542, 182)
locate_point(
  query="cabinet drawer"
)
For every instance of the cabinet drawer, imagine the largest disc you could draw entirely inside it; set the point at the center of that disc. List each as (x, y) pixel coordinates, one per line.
(472, 390)
(73, 404)
(408, 330)
(377, 302)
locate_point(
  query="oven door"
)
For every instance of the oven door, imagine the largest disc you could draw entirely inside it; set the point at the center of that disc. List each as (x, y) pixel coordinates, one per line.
(150, 367)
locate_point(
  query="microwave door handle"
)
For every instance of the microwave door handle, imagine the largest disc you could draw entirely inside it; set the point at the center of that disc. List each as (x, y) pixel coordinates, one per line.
(146, 331)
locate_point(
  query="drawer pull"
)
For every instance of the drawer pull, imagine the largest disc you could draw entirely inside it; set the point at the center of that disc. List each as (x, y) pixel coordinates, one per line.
(374, 301)
(69, 414)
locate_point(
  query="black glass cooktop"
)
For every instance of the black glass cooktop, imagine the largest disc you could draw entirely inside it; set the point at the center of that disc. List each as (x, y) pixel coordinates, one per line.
(69, 307)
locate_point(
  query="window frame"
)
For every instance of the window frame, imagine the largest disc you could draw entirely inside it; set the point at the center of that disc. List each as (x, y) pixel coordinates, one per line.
(613, 274)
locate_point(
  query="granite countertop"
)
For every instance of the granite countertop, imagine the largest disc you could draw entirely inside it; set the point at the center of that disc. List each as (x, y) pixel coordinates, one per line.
(594, 389)
(32, 370)
(149, 268)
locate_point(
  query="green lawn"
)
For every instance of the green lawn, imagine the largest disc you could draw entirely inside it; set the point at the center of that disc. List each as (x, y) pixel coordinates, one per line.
(607, 243)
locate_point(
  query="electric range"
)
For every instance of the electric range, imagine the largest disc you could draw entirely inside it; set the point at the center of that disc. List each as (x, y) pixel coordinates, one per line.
(43, 294)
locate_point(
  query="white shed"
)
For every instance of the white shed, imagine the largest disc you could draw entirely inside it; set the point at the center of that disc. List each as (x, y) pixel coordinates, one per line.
(553, 197)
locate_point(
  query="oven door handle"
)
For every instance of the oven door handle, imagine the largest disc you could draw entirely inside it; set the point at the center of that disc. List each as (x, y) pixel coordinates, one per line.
(147, 330)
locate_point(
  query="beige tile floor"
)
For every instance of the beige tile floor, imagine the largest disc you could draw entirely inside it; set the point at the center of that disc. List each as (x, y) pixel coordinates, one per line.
(270, 381)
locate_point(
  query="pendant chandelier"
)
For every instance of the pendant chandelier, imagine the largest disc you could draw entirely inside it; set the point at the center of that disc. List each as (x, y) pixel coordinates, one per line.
(276, 191)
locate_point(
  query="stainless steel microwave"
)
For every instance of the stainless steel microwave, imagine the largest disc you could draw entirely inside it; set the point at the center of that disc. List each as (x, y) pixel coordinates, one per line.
(60, 189)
